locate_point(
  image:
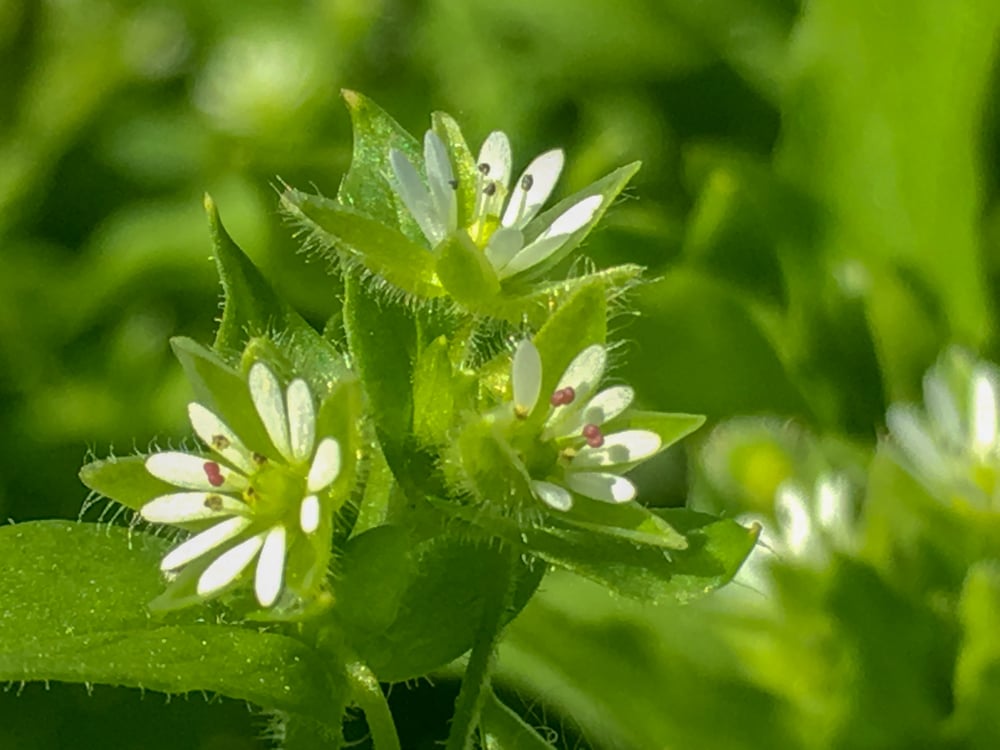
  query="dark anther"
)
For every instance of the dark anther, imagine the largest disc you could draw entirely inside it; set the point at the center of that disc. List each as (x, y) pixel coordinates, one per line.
(213, 502)
(490, 189)
(220, 442)
(484, 169)
(453, 183)
(526, 182)
(259, 459)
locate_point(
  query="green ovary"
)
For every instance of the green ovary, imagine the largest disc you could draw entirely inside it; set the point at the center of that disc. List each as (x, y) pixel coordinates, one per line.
(275, 491)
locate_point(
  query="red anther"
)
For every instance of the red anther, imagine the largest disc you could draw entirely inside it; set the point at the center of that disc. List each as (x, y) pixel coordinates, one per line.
(570, 394)
(563, 396)
(214, 474)
(593, 436)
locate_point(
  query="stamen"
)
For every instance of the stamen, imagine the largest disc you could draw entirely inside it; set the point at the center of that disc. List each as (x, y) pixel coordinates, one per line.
(563, 396)
(592, 434)
(259, 459)
(453, 183)
(520, 412)
(490, 190)
(214, 473)
(484, 169)
(213, 502)
(526, 182)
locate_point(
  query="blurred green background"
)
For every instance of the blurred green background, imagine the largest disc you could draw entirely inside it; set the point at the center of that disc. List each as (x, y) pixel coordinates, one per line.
(817, 208)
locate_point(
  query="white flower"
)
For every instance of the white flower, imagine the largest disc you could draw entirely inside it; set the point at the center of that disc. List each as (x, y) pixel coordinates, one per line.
(954, 446)
(501, 214)
(257, 505)
(589, 462)
(808, 527)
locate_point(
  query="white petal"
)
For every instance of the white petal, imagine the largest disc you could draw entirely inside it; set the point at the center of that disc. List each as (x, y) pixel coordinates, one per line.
(619, 448)
(833, 508)
(216, 434)
(607, 405)
(309, 514)
(504, 244)
(495, 154)
(325, 466)
(416, 197)
(201, 543)
(583, 375)
(301, 420)
(610, 488)
(984, 412)
(540, 177)
(526, 377)
(792, 514)
(552, 495)
(194, 472)
(554, 237)
(271, 567)
(184, 507)
(270, 404)
(908, 429)
(227, 567)
(942, 411)
(440, 178)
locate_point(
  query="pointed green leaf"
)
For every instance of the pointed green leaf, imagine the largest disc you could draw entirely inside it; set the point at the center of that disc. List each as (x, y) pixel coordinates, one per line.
(124, 480)
(670, 427)
(382, 249)
(75, 598)
(628, 521)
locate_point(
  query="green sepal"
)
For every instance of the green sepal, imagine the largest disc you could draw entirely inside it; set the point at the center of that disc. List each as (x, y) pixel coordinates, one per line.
(366, 185)
(467, 273)
(608, 187)
(463, 163)
(89, 624)
(434, 388)
(382, 249)
(124, 480)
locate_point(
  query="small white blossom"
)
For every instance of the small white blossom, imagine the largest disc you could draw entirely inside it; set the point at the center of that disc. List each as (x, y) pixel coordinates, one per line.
(589, 462)
(808, 526)
(501, 214)
(256, 505)
(953, 446)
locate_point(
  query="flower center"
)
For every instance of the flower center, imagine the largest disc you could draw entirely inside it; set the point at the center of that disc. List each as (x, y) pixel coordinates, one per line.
(275, 491)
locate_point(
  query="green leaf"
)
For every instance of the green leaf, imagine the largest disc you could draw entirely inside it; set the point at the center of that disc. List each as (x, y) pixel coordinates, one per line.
(467, 273)
(608, 187)
(75, 610)
(366, 185)
(670, 427)
(627, 521)
(433, 393)
(433, 598)
(382, 249)
(502, 729)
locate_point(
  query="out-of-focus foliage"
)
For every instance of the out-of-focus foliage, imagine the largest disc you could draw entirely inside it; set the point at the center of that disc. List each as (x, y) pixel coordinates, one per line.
(817, 207)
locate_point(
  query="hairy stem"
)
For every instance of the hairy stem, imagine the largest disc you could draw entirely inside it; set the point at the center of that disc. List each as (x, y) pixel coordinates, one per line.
(368, 695)
(476, 680)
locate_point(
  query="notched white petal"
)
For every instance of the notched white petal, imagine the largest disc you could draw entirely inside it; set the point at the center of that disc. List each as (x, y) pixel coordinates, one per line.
(908, 429)
(184, 507)
(194, 472)
(610, 488)
(495, 155)
(623, 447)
(227, 567)
(526, 377)
(216, 435)
(441, 180)
(206, 541)
(984, 411)
(265, 391)
(301, 420)
(309, 514)
(791, 511)
(325, 466)
(608, 404)
(416, 197)
(533, 189)
(270, 567)
(552, 495)
(555, 236)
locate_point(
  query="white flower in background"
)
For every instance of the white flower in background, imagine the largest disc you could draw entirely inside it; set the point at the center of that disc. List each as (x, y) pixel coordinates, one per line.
(808, 525)
(501, 213)
(255, 505)
(953, 446)
(588, 462)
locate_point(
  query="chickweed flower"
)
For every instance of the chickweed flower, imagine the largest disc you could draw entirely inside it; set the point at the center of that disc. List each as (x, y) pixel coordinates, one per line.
(501, 213)
(953, 445)
(571, 454)
(249, 503)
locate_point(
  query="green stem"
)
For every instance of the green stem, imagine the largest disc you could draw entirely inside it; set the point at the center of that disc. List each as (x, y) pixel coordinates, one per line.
(368, 695)
(476, 680)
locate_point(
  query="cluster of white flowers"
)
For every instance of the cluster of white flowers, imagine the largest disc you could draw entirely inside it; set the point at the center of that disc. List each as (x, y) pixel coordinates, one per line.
(256, 504)
(500, 214)
(589, 462)
(953, 446)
